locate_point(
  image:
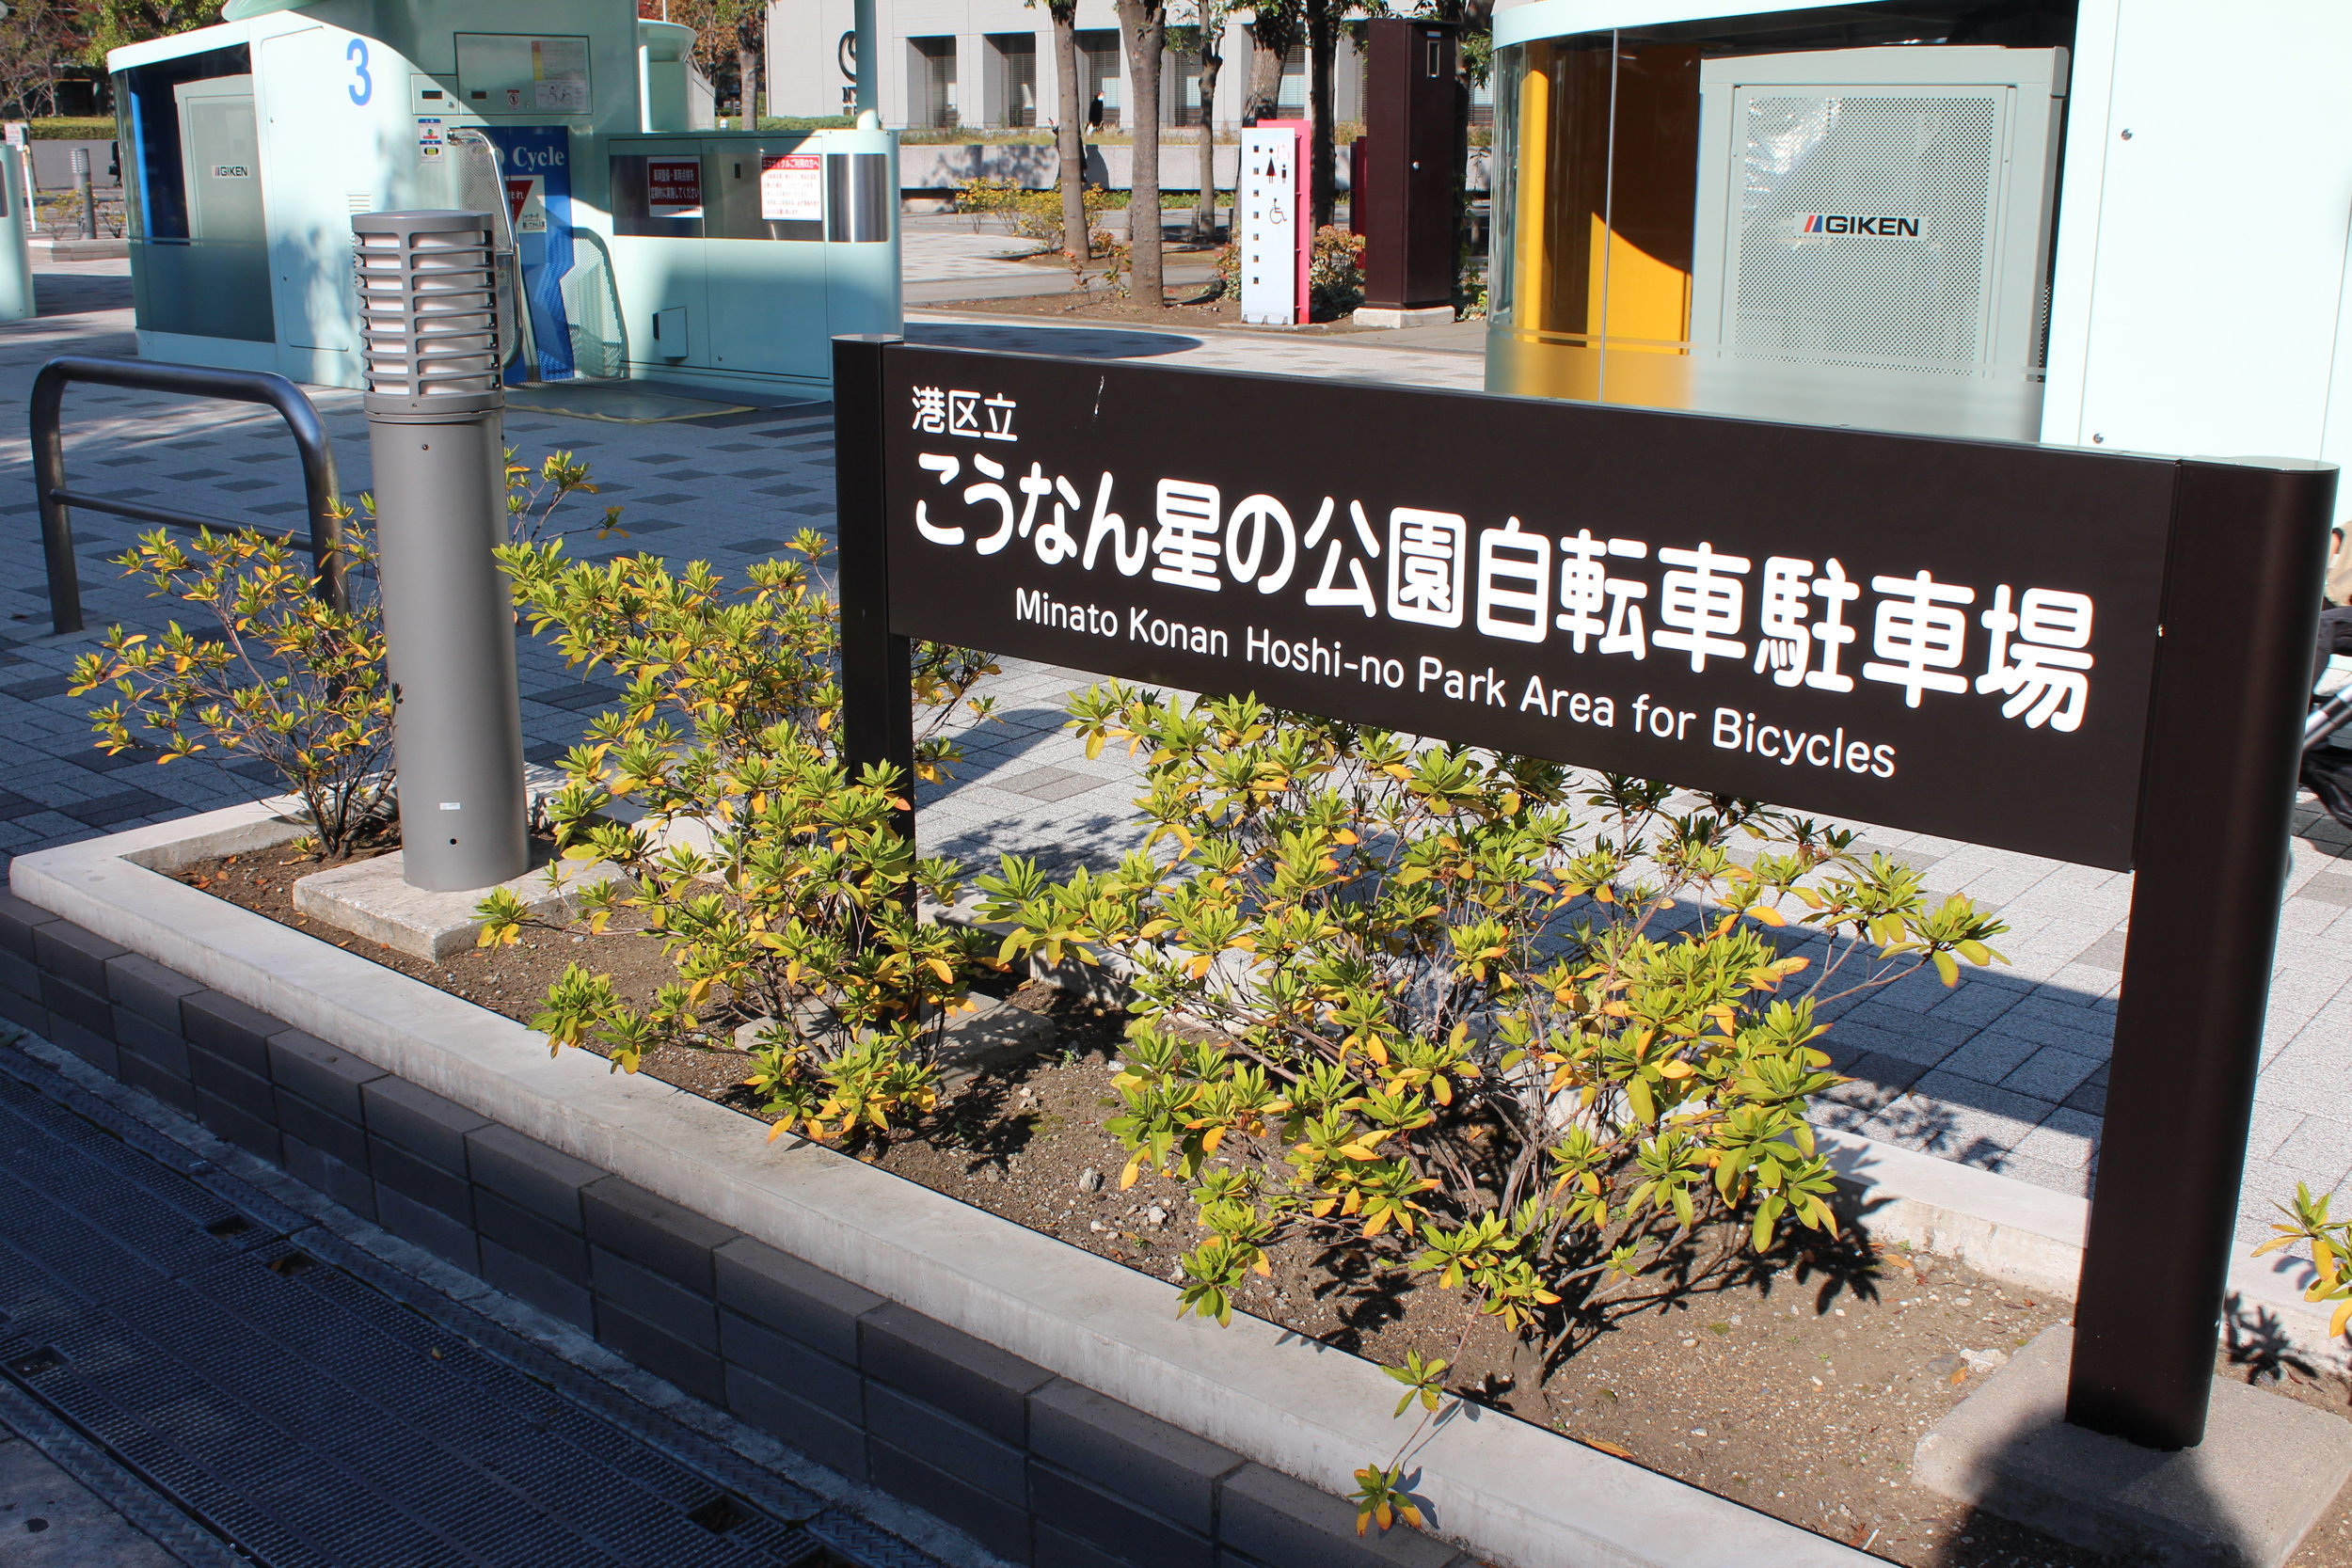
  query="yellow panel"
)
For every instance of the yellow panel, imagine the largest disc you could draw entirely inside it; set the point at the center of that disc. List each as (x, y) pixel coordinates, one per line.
(1649, 301)
(1531, 290)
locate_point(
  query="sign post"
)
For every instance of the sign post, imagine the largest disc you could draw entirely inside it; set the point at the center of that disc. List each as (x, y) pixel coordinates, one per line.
(2086, 656)
(2232, 684)
(1277, 223)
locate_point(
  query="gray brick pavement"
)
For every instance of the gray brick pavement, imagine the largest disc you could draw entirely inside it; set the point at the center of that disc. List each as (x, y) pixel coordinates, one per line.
(190, 1344)
(2007, 1072)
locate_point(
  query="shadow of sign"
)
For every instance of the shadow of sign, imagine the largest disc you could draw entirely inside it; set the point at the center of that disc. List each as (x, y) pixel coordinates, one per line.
(1080, 343)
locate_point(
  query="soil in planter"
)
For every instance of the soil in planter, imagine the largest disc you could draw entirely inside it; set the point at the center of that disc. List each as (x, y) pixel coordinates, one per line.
(513, 981)
(1800, 1390)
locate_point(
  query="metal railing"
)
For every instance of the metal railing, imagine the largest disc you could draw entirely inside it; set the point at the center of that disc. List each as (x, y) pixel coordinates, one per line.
(323, 542)
(2327, 717)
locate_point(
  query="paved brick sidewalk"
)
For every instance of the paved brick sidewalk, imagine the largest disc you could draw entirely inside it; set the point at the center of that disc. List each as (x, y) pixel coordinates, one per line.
(243, 1379)
(2007, 1072)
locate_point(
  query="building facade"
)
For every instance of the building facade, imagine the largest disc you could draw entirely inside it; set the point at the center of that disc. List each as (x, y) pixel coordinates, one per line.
(990, 65)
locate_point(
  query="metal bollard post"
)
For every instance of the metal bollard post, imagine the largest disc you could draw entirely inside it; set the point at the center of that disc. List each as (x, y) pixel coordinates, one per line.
(428, 304)
(82, 189)
(16, 256)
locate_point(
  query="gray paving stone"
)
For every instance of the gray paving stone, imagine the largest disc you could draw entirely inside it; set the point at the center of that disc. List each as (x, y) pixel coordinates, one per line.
(1972, 1002)
(2321, 1147)
(2328, 887)
(2051, 1073)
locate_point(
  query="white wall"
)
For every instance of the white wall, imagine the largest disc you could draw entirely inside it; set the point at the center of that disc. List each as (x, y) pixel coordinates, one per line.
(2198, 302)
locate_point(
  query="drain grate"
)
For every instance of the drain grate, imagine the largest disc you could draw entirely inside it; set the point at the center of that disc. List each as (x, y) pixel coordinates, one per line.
(719, 1515)
(300, 1412)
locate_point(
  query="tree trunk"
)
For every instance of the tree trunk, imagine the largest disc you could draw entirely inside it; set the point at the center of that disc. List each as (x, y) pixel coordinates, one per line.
(1143, 27)
(747, 73)
(1070, 136)
(1212, 62)
(1272, 37)
(1322, 41)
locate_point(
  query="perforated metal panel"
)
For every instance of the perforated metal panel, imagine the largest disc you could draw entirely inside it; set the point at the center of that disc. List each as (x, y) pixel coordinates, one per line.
(1863, 226)
(1873, 236)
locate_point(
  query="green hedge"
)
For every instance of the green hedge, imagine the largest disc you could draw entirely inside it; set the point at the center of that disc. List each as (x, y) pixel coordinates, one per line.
(73, 127)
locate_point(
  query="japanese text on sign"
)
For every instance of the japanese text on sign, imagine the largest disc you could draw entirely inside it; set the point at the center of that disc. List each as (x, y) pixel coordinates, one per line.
(2022, 646)
(1718, 621)
(792, 187)
(673, 187)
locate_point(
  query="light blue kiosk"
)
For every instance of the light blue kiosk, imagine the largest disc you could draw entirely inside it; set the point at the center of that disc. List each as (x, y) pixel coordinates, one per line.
(651, 247)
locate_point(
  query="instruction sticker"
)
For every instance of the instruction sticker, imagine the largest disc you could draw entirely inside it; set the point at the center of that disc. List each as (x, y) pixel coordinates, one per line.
(792, 187)
(432, 138)
(673, 187)
(526, 204)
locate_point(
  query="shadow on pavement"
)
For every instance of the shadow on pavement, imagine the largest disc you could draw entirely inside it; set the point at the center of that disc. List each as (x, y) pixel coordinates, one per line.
(1083, 343)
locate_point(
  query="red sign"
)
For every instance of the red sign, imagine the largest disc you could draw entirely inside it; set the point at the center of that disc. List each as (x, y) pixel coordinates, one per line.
(673, 187)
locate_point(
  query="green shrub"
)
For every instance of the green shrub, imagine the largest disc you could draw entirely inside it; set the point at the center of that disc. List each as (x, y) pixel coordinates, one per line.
(2329, 1243)
(777, 882)
(275, 674)
(1465, 1016)
(73, 127)
(1335, 273)
(1031, 214)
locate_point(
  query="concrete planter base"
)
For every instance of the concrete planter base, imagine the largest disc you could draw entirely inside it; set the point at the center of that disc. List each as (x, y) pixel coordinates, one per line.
(2243, 1498)
(79, 251)
(1018, 1386)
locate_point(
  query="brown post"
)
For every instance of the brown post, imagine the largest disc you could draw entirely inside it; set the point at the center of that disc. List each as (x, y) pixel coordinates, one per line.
(1409, 207)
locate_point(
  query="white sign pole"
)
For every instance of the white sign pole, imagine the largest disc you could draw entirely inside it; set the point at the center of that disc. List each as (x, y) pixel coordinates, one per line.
(1275, 237)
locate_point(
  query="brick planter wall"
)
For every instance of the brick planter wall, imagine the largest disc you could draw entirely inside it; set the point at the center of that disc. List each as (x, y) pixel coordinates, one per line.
(1036, 1467)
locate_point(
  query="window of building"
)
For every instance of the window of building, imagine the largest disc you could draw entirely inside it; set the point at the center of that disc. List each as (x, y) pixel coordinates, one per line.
(1099, 76)
(1291, 98)
(1012, 90)
(931, 81)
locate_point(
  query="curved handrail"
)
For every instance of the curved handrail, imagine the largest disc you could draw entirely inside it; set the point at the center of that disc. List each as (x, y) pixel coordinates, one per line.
(312, 443)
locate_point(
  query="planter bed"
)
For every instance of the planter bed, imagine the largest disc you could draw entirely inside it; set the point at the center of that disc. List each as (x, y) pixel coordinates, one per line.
(1801, 1391)
(1005, 1381)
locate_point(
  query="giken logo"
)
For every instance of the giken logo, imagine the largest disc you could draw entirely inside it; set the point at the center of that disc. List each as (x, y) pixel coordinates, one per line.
(232, 171)
(1842, 223)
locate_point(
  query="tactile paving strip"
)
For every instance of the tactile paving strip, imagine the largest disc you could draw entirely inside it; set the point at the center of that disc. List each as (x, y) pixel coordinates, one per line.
(260, 1396)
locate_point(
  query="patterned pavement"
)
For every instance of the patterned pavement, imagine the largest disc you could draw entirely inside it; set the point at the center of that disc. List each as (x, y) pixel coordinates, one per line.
(241, 1371)
(2008, 1072)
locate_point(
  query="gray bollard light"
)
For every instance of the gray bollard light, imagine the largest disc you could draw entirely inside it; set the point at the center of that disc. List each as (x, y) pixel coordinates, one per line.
(84, 191)
(428, 306)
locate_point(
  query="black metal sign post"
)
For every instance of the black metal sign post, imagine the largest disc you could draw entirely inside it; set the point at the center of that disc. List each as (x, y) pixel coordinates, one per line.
(2091, 657)
(877, 705)
(2233, 683)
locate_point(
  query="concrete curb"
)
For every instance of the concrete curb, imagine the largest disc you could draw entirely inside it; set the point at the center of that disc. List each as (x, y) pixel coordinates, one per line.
(2031, 1236)
(1515, 1494)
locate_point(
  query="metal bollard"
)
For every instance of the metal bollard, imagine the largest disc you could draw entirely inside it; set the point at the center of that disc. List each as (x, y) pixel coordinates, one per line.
(16, 257)
(428, 306)
(82, 188)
